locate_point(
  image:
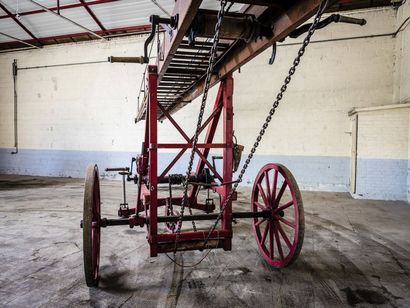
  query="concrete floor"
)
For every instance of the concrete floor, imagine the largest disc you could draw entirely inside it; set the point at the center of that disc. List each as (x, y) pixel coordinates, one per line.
(356, 252)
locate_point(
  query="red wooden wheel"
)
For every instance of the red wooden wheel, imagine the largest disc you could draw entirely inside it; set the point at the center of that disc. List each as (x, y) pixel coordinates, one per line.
(280, 237)
(91, 226)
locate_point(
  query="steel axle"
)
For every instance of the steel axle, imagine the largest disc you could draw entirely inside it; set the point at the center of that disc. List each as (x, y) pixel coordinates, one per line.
(142, 220)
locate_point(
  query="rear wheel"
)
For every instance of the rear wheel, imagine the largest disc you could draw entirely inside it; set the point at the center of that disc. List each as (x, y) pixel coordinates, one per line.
(280, 238)
(91, 226)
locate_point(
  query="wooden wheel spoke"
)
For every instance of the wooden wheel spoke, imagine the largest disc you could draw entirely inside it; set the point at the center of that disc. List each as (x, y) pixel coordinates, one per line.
(268, 186)
(280, 194)
(271, 242)
(283, 207)
(286, 222)
(261, 206)
(265, 233)
(274, 184)
(283, 234)
(279, 244)
(262, 192)
(259, 222)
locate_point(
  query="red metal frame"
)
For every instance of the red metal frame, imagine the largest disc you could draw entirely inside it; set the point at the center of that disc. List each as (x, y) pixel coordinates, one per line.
(91, 13)
(223, 105)
(46, 40)
(61, 7)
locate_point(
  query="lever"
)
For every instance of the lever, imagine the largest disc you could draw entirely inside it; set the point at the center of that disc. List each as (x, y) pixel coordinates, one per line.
(139, 60)
(350, 20)
(155, 20)
(325, 22)
(126, 169)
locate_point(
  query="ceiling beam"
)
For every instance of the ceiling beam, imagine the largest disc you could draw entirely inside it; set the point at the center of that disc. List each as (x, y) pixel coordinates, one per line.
(91, 13)
(67, 19)
(18, 40)
(61, 7)
(52, 40)
(161, 8)
(20, 24)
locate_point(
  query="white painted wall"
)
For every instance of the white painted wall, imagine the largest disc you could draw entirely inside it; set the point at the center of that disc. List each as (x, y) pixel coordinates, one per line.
(85, 107)
(92, 107)
(332, 78)
(383, 134)
(382, 153)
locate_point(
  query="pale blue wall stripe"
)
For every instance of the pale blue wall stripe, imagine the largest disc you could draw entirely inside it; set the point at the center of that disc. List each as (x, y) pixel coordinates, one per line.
(376, 178)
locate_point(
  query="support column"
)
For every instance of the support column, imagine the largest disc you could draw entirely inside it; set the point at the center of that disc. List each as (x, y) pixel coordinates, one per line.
(227, 156)
(153, 159)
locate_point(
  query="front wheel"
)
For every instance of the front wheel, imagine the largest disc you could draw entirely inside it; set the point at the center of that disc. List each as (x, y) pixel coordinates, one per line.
(91, 226)
(280, 237)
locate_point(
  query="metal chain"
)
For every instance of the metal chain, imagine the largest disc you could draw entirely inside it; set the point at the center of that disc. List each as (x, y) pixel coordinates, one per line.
(211, 63)
(272, 111)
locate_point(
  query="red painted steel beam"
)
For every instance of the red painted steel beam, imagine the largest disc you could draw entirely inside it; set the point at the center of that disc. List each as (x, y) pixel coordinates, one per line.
(61, 7)
(189, 145)
(153, 159)
(9, 14)
(93, 16)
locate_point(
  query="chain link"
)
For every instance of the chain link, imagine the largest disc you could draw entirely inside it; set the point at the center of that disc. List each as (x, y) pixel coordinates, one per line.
(209, 72)
(275, 105)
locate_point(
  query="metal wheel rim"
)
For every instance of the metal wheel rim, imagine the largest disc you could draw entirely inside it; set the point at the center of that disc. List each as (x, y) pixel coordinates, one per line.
(91, 226)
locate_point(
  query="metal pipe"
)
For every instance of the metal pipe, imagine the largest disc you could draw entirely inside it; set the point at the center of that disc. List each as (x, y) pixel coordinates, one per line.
(14, 68)
(59, 65)
(67, 19)
(124, 194)
(16, 49)
(18, 40)
(161, 8)
(339, 39)
(212, 216)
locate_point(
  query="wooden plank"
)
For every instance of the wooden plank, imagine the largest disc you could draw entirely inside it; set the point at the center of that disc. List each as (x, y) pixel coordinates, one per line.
(186, 10)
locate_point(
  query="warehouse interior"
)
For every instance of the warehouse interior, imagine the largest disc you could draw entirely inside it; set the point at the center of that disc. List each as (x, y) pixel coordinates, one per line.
(80, 88)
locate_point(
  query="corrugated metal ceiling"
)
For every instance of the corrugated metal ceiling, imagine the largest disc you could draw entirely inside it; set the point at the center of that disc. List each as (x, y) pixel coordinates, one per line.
(111, 14)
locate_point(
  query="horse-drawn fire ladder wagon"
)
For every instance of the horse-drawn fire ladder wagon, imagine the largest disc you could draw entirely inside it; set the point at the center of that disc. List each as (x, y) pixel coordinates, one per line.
(199, 49)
